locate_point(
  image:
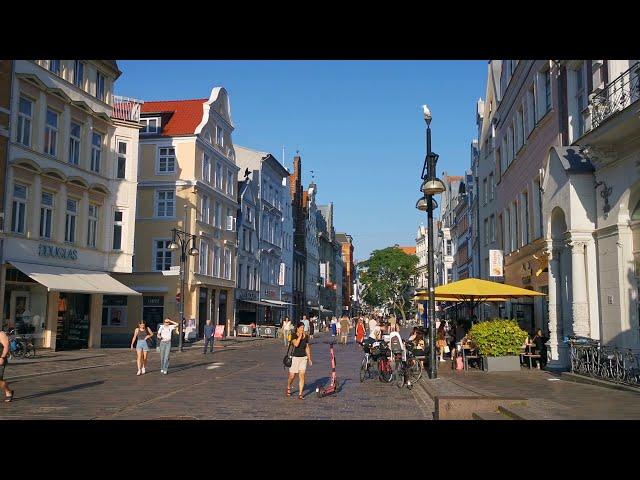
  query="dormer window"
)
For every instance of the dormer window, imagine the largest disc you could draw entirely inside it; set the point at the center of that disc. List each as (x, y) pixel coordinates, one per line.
(150, 125)
(219, 136)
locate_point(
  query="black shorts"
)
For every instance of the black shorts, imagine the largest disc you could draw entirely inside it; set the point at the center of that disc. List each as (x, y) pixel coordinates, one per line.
(2, 369)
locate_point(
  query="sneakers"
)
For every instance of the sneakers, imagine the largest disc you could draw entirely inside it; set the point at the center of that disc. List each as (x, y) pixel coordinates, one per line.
(143, 370)
(163, 372)
(139, 372)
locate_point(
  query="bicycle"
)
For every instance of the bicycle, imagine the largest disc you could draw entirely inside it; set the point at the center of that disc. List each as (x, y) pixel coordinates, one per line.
(408, 369)
(21, 347)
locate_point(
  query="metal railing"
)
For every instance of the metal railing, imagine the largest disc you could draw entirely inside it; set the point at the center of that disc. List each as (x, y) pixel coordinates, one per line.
(617, 95)
(125, 108)
(590, 359)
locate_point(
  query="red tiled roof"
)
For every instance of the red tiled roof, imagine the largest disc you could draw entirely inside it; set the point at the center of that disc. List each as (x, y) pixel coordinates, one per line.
(186, 115)
(408, 250)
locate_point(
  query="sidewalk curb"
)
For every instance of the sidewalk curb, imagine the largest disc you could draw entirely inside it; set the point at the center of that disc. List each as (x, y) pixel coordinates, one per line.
(575, 378)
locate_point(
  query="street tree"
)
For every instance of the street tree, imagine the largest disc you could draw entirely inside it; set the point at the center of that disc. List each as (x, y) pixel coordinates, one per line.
(388, 277)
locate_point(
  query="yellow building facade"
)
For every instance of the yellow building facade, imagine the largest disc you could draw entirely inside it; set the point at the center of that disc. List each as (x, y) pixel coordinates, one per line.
(186, 181)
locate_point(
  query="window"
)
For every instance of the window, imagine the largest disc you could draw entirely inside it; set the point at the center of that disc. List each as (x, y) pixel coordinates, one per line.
(217, 260)
(485, 192)
(114, 311)
(161, 255)
(514, 226)
(203, 212)
(580, 101)
(511, 143)
(204, 257)
(537, 218)
(206, 168)
(492, 228)
(92, 228)
(150, 125)
(74, 143)
(224, 182)
(520, 128)
(492, 186)
(486, 231)
(46, 214)
(525, 218)
(51, 133)
(230, 220)
(165, 203)
(78, 73)
(218, 175)
(96, 150)
(230, 183)
(207, 136)
(249, 282)
(507, 230)
(54, 66)
(70, 221)
(531, 110)
(219, 136)
(100, 82)
(547, 90)
(448, 250)
(218, 219)
(544, 93)
(121, 169)
(24, 121)
(499, 163)
(117, 230)
(19, 208)
(166, 160)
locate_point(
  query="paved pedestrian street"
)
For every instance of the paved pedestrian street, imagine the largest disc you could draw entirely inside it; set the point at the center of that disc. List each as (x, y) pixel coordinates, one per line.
(241, 381)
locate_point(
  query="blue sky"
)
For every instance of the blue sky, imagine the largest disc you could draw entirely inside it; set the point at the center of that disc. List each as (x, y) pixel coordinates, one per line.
(357, 124)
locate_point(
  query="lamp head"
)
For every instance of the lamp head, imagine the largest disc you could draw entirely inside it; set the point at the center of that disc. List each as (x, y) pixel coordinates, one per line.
(173, 246)
(427, 114)
(433, 186)
(193, 251)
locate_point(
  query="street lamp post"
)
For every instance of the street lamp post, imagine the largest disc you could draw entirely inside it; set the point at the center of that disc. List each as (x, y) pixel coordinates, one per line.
(431, 186)
(181, 241)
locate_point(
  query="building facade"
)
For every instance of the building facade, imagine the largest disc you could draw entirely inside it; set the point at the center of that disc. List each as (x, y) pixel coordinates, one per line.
(446, 247)
(312, 266)
(346, 244)
(271, 177)
(287, 247)
(248, 274)
(591, 206)
(6, 82)
(71, 200)
(299, 240)
(187, 180)
(327, 256)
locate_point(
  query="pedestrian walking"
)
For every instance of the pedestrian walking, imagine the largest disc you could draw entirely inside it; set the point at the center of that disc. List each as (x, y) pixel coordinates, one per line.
(344, 329)
(140, 337)
(164, 335)
(312, 328)
(334, 327)
(360, 331)
(300, 356)
(540, 340)
(287, 326)
(4, 341)
(209, 333)
(305, 322)
(441, 343)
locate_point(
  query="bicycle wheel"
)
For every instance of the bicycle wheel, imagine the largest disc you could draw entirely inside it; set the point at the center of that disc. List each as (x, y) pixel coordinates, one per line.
(30, 352)
(415, 370)
(399, 374)
(364, 367)
(18, 352)
(385, 372)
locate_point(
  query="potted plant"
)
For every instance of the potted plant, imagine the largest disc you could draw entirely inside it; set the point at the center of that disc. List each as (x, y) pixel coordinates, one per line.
(499, 342)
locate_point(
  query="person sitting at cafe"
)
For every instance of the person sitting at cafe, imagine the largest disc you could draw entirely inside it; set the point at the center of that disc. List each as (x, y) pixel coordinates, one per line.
(539, 341)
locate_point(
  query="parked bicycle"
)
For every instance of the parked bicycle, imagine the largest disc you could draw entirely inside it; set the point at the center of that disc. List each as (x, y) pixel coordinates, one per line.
(376, 352)
(20, 347)
(589, 358)
(408, 367)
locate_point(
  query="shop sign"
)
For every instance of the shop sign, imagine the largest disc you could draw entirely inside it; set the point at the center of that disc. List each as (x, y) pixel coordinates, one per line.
(152, 301)
(57, 252)
(496, 265)
(247, 295)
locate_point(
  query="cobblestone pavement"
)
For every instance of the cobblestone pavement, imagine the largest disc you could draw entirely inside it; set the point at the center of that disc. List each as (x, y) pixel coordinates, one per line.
(549, 396)
(241, 381)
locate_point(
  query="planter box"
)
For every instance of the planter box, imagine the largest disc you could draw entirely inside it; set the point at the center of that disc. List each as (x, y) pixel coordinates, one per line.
(501, 364)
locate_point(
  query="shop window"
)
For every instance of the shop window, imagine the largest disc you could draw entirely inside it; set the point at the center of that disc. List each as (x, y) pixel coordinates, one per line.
(114, 311)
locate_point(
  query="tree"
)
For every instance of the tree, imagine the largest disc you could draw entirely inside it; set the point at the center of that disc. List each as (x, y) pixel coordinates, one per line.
(387, 277)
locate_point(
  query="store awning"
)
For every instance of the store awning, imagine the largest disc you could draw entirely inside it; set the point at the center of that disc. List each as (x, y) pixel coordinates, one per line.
(257, 302)
(275, 303)
(65, 279)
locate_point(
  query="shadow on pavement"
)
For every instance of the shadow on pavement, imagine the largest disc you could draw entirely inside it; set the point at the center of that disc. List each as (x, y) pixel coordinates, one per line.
(60, 390)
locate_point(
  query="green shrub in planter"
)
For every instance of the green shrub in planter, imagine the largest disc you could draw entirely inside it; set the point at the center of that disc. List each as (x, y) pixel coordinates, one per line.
(497, 338)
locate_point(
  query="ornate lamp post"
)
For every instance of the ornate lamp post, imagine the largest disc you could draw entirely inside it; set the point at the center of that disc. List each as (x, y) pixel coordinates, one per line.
(430, 186)
(181, 241)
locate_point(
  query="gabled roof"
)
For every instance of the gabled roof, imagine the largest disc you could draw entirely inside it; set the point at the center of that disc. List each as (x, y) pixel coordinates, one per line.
(184, 115)
(408, 250)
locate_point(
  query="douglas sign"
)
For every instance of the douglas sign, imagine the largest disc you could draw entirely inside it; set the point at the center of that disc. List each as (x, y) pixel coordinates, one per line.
(57, 252)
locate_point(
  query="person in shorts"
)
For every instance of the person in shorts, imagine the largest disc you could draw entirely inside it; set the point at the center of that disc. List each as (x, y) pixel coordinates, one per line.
(140, 337)
(301, 355)
(4, 341)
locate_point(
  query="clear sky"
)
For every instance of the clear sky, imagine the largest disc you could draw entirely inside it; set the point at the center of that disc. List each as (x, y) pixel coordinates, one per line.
(357, 124)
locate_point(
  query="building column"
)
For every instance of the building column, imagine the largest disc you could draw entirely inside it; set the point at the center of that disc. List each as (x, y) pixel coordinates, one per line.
(230, 320)
(95, 321)
(580, 303)
(555, 308)
(36, 198)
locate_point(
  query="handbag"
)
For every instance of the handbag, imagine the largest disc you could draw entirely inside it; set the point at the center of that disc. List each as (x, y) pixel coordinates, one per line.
(288, 358)
(446, 349)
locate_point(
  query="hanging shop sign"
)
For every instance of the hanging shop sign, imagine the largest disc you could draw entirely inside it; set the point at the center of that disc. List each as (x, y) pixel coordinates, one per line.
(496, 263)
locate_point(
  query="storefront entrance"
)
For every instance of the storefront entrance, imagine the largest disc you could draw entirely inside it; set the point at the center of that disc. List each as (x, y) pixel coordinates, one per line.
(222, 308)
(523, 313)
(153, 311)
(73, 321)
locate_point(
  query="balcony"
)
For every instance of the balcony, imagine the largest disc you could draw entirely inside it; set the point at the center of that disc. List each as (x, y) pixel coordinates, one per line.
(125, 108)
(616, 97)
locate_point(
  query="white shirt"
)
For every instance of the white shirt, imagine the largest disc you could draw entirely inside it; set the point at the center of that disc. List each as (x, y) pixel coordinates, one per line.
(164, 332)
(374, 332)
